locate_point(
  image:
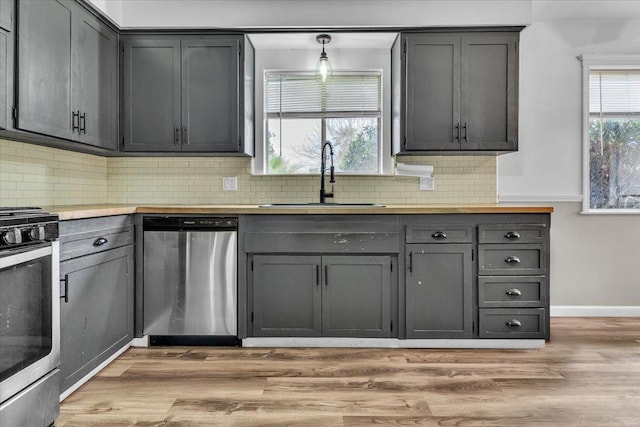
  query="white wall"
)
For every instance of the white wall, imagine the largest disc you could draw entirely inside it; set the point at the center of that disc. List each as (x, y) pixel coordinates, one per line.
(323, 13)
(548, 166)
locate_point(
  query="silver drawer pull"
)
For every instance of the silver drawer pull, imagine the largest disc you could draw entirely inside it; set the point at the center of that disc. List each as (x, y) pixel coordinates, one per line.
(512, 260)
(513, 323)
(513, 292)
(100, 241)
(512, 235)
(439, 235)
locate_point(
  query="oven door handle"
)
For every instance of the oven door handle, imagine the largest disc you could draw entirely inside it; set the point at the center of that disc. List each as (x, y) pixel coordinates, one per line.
(11, 260)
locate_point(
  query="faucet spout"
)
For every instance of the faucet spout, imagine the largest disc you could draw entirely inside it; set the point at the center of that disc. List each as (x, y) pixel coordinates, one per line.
(323, 167)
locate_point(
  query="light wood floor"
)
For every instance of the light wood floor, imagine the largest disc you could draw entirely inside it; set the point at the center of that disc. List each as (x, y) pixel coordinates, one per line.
(587, 375)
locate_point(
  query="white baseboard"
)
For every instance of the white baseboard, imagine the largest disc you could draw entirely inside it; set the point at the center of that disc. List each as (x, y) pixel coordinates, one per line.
(594, 311)
(518, 344)
(140, 342)
(91, 374)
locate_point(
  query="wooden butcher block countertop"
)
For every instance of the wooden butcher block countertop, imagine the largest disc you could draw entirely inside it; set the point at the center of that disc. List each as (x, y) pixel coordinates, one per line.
(93, 211)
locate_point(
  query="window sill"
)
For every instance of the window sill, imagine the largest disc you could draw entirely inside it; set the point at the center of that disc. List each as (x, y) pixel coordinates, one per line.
(611, 212)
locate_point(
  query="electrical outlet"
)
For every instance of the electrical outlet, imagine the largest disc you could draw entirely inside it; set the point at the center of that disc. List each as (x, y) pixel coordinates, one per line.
(230, 183)
(426, 183)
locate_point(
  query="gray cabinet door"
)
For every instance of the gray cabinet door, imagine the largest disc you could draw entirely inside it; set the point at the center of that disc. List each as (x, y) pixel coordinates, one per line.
(489, 92)
(95, 81)
(152, 95)
(286, 295)
(439, 291)
(432, 92)
(356, 296)
(6, 14)
(44, 67)
(96, 310)
(4, 79)
(210, 110)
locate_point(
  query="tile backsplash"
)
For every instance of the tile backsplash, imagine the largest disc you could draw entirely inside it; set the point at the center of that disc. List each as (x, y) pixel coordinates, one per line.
(33, 175)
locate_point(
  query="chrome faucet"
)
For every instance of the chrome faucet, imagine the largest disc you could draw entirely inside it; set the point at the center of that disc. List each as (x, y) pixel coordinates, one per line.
(323, 167)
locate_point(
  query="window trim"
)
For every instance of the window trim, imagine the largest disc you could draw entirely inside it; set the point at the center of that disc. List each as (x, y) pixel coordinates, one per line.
(589, 63)
(372, 59)
(384, 164)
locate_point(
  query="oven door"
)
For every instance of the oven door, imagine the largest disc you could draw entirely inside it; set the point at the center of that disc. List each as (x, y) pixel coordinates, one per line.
(29, 316)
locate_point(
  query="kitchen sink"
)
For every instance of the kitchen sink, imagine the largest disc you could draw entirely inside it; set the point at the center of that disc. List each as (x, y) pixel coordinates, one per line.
(322, 205)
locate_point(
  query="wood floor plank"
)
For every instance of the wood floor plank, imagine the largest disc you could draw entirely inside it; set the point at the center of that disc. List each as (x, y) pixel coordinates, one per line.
(588, 375)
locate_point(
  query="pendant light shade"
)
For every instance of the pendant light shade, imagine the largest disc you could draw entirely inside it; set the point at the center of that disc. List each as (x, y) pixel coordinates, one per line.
(323, 68)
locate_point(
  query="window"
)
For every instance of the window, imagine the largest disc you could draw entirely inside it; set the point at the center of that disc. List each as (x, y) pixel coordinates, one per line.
(612, 138)
(301, 113)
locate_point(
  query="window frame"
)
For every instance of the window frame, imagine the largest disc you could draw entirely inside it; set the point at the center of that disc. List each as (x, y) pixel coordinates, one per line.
(323, 117)
(592, 63)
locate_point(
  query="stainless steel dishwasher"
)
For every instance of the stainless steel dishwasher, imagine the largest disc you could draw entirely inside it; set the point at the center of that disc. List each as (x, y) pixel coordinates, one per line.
(190, 280)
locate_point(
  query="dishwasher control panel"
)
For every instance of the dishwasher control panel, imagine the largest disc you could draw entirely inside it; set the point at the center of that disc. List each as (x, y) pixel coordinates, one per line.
(171, 223)
(209, 222)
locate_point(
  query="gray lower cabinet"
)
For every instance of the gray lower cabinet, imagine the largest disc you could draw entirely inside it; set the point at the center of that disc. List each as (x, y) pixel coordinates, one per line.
(67, 73)
(186, 93)
(459, 92)
(439, 291)
(96, 312)
(286, 295)
(513, 286)
(97, 293)
(338, 296)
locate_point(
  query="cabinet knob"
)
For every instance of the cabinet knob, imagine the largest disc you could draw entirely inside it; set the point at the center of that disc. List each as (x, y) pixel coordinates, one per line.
(439, 235)
(514, 292)
(513, 323)
(512, 235)
(512, 260)
(100, 241)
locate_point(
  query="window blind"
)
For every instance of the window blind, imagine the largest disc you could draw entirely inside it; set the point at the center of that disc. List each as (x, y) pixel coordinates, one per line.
(614, 93)
(299, 94)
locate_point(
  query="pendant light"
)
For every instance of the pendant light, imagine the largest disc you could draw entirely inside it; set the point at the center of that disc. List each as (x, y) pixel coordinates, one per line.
(323, 68)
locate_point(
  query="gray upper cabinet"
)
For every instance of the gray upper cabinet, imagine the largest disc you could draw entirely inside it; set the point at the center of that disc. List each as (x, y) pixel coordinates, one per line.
(460, 92)
(490, 92)
(210, 95)
(6, 14)
(4, 79)
(95, 81)
(184, 94)
(44, 67)
(432, 92)
(67, 73)
(439, 291)
(152, 95)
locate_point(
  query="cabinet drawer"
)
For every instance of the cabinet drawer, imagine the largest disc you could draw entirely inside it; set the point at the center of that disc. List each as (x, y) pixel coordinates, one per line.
(439, 233)
(88, 236)
(512, 323)
(516, 291)
(497, 260)
(512, 233)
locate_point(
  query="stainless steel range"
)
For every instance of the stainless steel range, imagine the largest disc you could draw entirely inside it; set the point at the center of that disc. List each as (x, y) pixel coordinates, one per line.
(29, 317)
